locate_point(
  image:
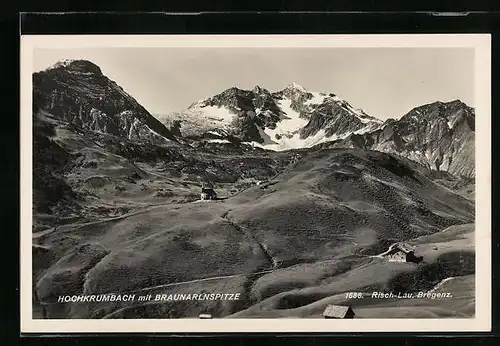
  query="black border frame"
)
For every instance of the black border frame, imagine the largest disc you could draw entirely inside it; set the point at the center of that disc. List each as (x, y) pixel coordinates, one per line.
(280, 23)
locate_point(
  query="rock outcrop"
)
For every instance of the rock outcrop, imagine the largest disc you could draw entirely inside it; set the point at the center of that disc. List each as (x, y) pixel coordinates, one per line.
(77, 91)
(439, 135)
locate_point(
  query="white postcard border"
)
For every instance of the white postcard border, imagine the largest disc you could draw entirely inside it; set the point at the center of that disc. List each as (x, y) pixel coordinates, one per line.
(481, 43)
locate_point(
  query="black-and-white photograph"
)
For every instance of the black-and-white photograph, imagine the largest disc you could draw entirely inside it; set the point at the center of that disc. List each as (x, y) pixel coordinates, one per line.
(253, 182)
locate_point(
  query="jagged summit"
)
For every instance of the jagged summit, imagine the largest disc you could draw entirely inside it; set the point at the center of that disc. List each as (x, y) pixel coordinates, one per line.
(77, 92)
(441, 109)
(258, 89)
(296, 86)
(439, 135)
(79, 66)
(452, 103)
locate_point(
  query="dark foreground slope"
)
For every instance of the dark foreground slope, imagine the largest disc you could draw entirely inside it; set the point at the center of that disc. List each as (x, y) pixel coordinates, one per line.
(322, 219)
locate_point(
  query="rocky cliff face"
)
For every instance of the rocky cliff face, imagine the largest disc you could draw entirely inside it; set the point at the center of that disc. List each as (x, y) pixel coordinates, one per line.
(440, 136)
(337, 118)
(76, 91)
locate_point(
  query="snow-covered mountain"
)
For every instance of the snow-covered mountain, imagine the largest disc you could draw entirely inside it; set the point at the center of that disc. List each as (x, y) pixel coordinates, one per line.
(438, 135)
(292, 118)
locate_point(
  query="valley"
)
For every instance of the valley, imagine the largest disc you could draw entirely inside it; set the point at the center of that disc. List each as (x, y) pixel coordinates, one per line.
(117, 203)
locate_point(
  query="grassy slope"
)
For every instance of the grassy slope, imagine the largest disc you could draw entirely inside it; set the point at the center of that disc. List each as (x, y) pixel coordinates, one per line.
(320, 218)
(81, 175)
(443, 250)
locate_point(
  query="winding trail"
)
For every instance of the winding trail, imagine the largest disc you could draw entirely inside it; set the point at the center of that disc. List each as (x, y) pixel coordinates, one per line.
(75, 226)
(380, 255)
(145, 289)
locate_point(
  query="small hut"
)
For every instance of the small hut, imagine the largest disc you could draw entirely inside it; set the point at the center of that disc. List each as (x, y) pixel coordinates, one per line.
(338, 311)
(401, 252)
(207, 192)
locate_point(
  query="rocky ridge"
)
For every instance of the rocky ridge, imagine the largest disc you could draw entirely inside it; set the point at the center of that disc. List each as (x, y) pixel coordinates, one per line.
(77, 91)
(438, 135)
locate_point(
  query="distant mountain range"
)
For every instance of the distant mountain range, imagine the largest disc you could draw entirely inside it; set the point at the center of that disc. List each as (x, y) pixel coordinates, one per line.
(439, 135)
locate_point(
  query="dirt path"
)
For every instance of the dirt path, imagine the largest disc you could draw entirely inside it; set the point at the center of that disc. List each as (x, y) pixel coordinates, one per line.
(381, 255)
(145, 289)
(74, 226)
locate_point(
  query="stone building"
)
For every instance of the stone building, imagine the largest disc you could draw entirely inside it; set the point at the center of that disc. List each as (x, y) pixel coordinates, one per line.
(208, 192)
(401, 252)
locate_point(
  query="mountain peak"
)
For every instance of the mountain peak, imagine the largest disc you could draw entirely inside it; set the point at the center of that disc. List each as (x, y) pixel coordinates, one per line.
(296, 86)
(76, 91)
(452, 103)
(258, 89)
(231, 91)
(456, 102)
(78, 66)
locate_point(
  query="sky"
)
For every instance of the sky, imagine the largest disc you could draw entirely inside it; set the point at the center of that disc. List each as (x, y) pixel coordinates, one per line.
(384, 82)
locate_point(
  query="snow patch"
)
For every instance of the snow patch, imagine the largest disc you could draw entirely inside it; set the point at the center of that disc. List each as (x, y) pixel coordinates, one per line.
(214, 133)
(220, 114)
(334, 98)
(61, 63)
(157, 134)
(133, 127)
(218, 141)
(199, 119)
(286, 134)
(291, 123)
(362, 116)
(287, 127)
(371, 126)
(295, 142)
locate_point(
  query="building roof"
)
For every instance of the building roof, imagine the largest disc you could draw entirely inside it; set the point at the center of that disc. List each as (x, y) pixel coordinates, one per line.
(399, 247)
(336, 311)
